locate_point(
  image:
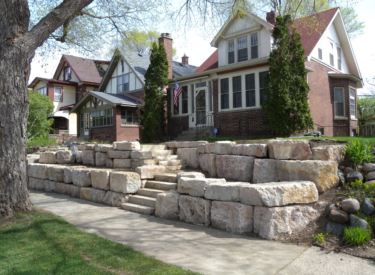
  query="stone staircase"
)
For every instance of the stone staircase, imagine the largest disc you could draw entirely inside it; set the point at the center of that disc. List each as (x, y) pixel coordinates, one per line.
(168, 160)
(145, 200)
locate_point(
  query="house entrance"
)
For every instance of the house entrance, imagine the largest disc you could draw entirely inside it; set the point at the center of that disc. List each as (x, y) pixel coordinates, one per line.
(201, 107)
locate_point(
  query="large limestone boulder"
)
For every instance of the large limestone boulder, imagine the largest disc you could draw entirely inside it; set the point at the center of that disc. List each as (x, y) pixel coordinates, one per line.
(90, 147)
(65, 157)
(235, 167)
(125, 182)
(104, 148)
(101, 159)
(109, 163)
(115, 199)
(232, 217)
(49, 186)
(81, 147)
(81, 177)
(121, 163)
(207, 162)
(322, 173)
(279, 193)
(68, 174)
(191, 174)
(195, 186)
(75, 191)
(37, 184)
(56, 173)
(149, 171)
(189, 155)
(194, 210)
(290, 149)
(37, 170)
(127, 146)
(79, 157)
(265, 170)
(274, 223)
(167, 205)
(224, 147)
(209, 148)
(255, 150)
(114, 154)
(88, 157)
(329, 152)
(201, 148)
(134, 163)
(100, 179)
(224, 191)
(47, 157)
(63, 188)
(85, 193)
(238, 149)
(97, 195)
(141, 155)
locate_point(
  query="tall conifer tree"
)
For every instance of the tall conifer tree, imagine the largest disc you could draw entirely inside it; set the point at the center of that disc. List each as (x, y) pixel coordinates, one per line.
(286, 89)
(156, 79)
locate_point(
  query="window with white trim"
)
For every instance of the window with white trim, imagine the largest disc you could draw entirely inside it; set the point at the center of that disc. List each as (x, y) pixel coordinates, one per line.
(331, 57)
(237, 92)
(129, 116)
(224, 93)
(123, 83)
(242, 48)
(67, 73)
(58, 94)
(262, 79)
(254, 45)
(101, 118)
(339, 102)
(230, 51)
(352, 103)
(250, 90)
(43, 91)
(320, 53)
(339, 58)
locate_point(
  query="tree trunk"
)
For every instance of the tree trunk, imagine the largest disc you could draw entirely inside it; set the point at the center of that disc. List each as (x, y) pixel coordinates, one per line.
(14, 101)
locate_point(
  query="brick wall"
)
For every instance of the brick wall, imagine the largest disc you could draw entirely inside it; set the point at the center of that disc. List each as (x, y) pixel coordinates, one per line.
(123, 133)
(167, 42)
(176, 125)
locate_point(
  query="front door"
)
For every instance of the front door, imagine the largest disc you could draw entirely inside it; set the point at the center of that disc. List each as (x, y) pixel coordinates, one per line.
(201, 108)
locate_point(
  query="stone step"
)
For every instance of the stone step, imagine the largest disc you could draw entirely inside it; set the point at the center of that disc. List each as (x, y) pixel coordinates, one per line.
(175, 167)
(153, 147)
(141, 209)
(166, 177)
(172, 157)
(161, 153)
(160, 185)
(142, 200)
(171, 162)
(149, 192)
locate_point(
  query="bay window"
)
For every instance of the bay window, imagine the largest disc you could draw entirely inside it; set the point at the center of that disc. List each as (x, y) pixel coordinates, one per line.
(129, 116)
(101, 118)
(352, 103)
(339, 102)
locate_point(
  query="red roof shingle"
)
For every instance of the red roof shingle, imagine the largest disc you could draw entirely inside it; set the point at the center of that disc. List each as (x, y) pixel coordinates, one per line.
(211, 63)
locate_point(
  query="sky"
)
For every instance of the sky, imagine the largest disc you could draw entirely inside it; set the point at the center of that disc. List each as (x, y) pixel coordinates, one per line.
(197, 47)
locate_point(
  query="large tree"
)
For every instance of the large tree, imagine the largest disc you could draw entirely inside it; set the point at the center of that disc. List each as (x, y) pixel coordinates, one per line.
(366, 109)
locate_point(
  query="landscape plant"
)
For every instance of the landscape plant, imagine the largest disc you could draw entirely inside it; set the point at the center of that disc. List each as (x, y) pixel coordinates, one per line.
(286, 90)
(356, 235)
(319, 238)
(358, 153)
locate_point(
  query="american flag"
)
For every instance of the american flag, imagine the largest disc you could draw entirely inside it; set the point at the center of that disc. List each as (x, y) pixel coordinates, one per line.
(177, 92)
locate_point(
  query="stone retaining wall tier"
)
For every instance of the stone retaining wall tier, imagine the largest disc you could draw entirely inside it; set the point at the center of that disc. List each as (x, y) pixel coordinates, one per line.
(35, 183)
(121, 163)
(224, 147)
(101, 159)
(167, 205)
(207, 162)
(189, 155)
(255, 150)
(48, 157)
(127, 146)
(88, 157)
(49, 186)
(195, 186)
(265, 170)
(75, 191)
(195, 210)
(65, 157)
(56, 173)
(36, 170)
(329, 152)
(115, 199)
(114, 154)
(141, 155)
(149, 171)
(125, 182)
(104, 148)
(290, 149)
(189, 175)
(100, 179)
(224, 191)
(63, 188)
(81, 177)
(235, 167)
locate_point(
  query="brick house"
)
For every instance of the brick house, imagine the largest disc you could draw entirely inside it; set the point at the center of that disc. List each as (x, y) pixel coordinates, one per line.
(225, 92)
(111, 113)
(73, 79)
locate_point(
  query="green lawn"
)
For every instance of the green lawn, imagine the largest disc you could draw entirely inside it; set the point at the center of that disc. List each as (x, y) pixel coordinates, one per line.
(43, 243)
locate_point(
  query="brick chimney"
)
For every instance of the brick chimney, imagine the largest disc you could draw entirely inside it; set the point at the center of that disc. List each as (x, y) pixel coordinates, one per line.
(271, 17)
(185, 60)
(167, 42)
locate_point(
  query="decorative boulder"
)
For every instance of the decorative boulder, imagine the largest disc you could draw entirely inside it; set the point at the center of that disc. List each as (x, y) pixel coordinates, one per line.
(256, 150)
(114, 154)
(224, 147)
(65, 157)
(279, 193)
(235, 167)
(209, 148)
(189, 155)
(48, 157)
(125, 182)
(232, 217)
(353, 176)
(81, 177)
(350, 206)
(167, 205)
(341, 176)
(265, 170)
(149, 171)
(357, 222)
(194, 186)
(328, 210)
(368, 207)
(329, 152)
(115, 199)
(339, 216)
(368, 167)
(37, 170)
(371, 176)
(207, 162)
(335, 228)
(322, 173)
(100, 179)
(195, 210)
(290, 149)
(224, 191)
(127, 146)
(101, 159)
(88, 157)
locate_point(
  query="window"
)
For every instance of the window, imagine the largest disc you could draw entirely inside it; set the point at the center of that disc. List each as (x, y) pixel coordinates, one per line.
(320, 53)
(339, 58)
(262, 78)
(58, 94)
(79, 96)
(101, 118)
(129, 116)
(201, 84)
(331, 57)
(123, 83)
(185, 99)
(250, 90)
(254, 45)
(339, 102)
(230, 51)
(224, 89)
(122, 65)
(237, 95)
(321, 131)
(67, 74)
(43, 91)
(242, 48)
(352, 103)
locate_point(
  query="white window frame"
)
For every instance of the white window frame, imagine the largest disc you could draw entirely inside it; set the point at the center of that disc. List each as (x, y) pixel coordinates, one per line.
(180, 114)
(54, 94)
(350, 103)
(334, 102)
(332, 49)
(233, 51)
(122, 84)
(320, 53)
(43, 91)
(339, 58)
(235, 39)
(251, 54)
(69, 73)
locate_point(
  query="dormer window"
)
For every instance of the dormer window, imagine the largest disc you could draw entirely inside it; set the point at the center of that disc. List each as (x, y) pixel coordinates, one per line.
(67, 73)
(231, 51)
(242, 48)
(254, 45)
(123, 83)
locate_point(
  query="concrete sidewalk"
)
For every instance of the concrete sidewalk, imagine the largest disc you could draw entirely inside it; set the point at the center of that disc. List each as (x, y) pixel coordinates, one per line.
(200, 249)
